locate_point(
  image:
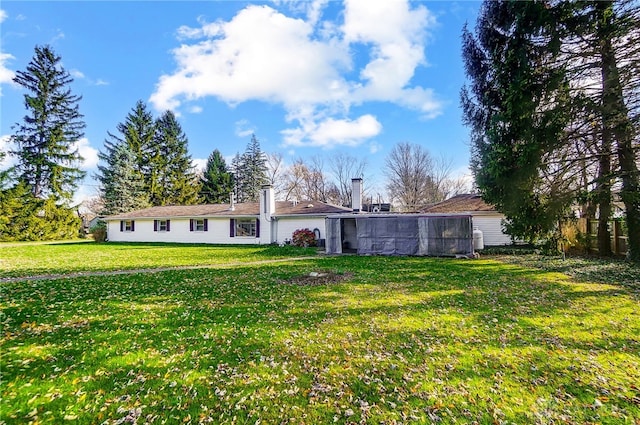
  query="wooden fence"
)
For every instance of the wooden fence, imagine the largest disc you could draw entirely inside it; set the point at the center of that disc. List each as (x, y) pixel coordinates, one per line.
(589, 227)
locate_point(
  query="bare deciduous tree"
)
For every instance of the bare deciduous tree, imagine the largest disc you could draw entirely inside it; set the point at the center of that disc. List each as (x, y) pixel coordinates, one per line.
(345, 167)
(414, 177)
(275, 173)
(309, 182)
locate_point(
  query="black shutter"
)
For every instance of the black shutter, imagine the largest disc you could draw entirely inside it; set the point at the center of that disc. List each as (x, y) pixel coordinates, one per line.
(191, 225)
(155, 225)
(206, 225)
(232, 227)
(168, 225)
(122, 225)
(133, 225)
(257, 227)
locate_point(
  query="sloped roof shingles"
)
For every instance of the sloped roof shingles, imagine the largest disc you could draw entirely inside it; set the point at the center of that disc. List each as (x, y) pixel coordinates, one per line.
(224, 210)
(460, 203)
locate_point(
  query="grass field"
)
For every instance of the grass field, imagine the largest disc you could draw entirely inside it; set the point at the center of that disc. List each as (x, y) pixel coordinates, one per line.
(25, 259)
(375, 340)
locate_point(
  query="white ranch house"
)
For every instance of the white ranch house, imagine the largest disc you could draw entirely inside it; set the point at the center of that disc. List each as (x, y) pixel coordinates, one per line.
(269, 221)
(264, 222)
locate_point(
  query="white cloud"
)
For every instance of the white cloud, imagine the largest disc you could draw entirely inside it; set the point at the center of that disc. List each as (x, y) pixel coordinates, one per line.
(374, 147)
(101, 82)
(244, 128)
(263, 55)
(5, 146)
(76, 74)
(58, 36)
(195, 109)
(199, 164)
(88, 153)
(3, 15)
(312, 9)
(6, 75)
(332, 132)
(397, 50)
(306, 66)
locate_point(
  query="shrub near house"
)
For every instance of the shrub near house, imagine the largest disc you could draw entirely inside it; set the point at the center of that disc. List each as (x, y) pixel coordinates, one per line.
(304, 238)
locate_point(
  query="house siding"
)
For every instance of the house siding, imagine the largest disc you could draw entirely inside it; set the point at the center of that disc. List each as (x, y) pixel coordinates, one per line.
(491, 227)
(217, 233)
(287, 225)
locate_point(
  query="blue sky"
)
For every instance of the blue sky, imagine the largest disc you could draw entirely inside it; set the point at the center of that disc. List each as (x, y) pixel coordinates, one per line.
(309, 78)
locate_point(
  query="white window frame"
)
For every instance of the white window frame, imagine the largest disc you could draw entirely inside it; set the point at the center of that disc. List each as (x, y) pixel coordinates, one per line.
(198, 224)
(128, 226)
(162, 225)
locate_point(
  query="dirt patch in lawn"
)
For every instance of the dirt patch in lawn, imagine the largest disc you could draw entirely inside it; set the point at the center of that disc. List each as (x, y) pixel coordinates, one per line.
(317, 278)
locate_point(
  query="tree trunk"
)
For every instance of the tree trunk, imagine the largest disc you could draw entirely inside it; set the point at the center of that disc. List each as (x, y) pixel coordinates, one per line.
(603, 191)
(616, 117)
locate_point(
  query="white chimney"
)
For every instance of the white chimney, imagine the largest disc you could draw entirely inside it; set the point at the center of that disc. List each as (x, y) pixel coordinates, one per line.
(356, 194)
(232, 199)
(267, 201)
(267, 209)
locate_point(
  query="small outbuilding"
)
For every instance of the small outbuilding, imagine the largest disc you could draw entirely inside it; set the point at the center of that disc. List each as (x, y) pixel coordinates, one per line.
(400, 234)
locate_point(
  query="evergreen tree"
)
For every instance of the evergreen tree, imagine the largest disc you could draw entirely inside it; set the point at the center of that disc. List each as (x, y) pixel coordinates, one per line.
(515, 105)
(138, 132)
(47, 159)
(121, 185)
(175, 180)
(23, 217)
(254, 171)
(238, 177)
(553, 94)
(4, 174)
(217, 181)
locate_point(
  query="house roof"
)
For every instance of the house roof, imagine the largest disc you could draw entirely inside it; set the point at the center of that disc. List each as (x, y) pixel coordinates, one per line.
(283, 208)
(460, 203)
(308, 208)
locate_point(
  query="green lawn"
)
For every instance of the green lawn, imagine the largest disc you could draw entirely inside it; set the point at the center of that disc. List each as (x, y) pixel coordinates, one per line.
(24, 259)
(392, 340)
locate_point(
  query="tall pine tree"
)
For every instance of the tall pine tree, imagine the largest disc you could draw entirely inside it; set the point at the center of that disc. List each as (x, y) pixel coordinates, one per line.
(515, 106)
(254, 171)
(138, 132)
(176, 182)
(47, 159)
(121, 184)
(217, 181)
(238, 177)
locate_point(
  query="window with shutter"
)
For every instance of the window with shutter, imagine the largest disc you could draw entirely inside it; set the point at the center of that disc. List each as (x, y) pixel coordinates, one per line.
(246, 227)
(197, 225)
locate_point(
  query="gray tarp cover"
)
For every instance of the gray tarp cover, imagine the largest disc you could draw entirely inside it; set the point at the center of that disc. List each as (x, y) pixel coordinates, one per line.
(406, 235)
(333, 236)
